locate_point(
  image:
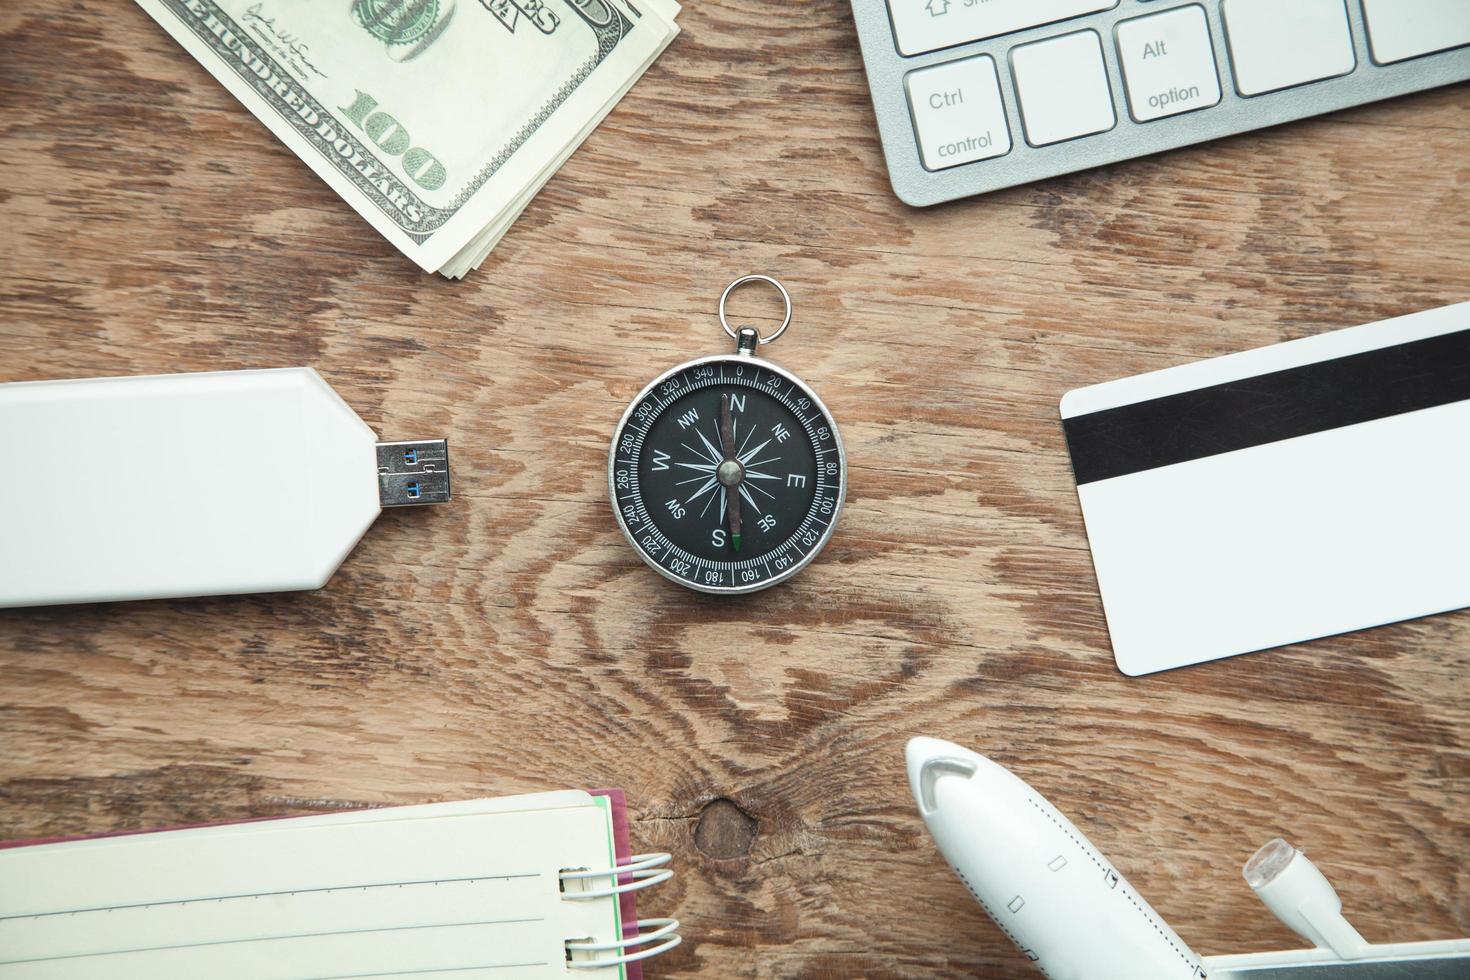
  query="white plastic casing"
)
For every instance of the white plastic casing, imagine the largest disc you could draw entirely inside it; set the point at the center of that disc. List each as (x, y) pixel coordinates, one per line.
(179, 485)
(1037, 876)
(1301, 896)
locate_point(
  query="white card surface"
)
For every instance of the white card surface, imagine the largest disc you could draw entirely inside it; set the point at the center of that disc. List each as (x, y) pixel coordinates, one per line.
(1282, 494)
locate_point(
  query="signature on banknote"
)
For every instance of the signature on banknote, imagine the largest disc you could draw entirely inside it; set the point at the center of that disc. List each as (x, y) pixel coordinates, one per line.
(289, 47)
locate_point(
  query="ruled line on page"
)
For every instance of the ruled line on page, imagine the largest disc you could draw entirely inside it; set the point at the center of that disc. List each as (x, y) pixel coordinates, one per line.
(436, 969)
(288, 891)
(264, 939)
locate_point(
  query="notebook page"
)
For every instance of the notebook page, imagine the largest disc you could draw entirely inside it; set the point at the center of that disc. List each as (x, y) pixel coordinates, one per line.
(472, 893)
(497, 804)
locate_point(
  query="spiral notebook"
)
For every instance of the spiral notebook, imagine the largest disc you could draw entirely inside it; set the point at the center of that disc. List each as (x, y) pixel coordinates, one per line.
(511, 888)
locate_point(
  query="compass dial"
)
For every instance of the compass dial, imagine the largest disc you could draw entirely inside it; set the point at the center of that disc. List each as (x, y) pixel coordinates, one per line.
(727, 474)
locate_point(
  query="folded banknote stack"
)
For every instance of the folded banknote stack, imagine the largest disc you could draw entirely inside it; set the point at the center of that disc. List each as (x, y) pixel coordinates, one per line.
(438, 120)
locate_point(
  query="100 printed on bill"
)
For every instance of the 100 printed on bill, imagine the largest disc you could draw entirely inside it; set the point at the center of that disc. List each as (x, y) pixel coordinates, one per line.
(434, 119)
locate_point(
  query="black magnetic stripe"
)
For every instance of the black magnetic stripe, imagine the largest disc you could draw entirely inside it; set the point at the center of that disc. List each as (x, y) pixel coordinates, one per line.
(1270, 407)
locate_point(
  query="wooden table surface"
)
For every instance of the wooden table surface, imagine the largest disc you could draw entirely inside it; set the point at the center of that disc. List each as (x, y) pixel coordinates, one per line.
(512, 642)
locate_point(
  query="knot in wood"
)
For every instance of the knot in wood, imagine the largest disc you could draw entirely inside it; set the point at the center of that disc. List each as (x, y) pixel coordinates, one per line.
(724, 831)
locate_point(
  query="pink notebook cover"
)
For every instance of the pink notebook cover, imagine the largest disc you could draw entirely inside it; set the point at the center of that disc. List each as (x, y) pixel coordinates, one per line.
(627, 902)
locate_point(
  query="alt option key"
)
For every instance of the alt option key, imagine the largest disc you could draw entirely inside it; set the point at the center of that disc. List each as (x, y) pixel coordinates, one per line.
(1168, 63)
(958, 114)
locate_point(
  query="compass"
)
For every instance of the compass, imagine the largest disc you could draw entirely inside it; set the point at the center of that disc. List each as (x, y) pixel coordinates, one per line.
(727, 473)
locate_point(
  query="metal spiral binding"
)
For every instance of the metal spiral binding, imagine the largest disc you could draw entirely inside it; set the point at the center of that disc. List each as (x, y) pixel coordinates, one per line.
(639, 872)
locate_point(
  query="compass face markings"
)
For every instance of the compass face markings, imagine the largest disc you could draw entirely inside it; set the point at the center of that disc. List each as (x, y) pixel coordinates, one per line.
(671, 492)
(711, 500)
(745, 457)
(714, 453)
(745, 492)
(704, 488)
(712, 463)
(743, 444)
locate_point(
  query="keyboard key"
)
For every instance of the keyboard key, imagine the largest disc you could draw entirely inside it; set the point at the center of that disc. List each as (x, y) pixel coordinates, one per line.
(1402, 29)
(1062, 86)
(1276, 44)
(1168, 63)
(928, 25)
(958, 113)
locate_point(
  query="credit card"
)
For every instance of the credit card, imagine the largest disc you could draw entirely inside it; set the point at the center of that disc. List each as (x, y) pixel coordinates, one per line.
(1281, 494)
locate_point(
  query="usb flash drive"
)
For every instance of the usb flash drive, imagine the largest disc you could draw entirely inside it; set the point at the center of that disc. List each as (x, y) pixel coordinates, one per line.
(192, 484)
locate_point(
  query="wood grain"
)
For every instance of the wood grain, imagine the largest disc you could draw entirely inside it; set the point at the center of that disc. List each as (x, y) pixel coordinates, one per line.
(512, 642)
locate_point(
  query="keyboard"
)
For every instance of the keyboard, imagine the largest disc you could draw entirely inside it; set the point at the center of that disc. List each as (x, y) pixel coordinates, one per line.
(976, 95)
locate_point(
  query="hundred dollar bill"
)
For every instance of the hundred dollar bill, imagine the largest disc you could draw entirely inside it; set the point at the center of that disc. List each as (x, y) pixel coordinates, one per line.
(437, 120)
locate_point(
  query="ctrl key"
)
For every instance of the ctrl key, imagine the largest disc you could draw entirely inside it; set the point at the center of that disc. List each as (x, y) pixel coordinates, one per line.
(958, 115)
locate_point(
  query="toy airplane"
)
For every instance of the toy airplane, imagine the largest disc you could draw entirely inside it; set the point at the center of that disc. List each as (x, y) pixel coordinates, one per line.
(1077, 918)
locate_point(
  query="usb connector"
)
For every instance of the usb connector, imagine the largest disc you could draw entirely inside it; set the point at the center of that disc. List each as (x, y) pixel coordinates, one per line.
(413, 473)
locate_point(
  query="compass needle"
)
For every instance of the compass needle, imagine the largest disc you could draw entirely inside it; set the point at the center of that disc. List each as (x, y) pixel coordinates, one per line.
(727, 426)
(730, 472)
(732, 512)
(693, 489)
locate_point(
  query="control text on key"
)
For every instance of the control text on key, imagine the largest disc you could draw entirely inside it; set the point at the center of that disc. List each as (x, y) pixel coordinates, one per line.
(958, 113)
